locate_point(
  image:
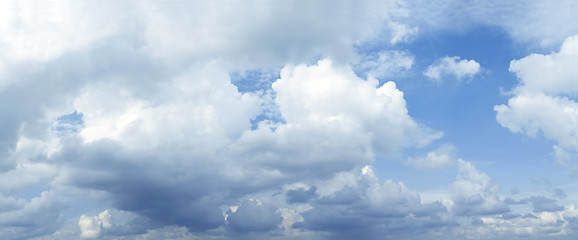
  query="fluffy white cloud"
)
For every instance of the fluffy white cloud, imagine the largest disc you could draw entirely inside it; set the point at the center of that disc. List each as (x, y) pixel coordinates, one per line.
(92, 227)
(531, 114)
(196, 128)
(452, 66)
(45, 31)
(200, 108)
(333, 95)
(441, 157)
(160, 131)
(542, 102)
(332, 121)
(474, 193)
(552, 74)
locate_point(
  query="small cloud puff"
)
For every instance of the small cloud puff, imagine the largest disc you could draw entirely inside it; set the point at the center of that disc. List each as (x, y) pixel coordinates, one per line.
(441, 157)
(452, 66)
(92, 227)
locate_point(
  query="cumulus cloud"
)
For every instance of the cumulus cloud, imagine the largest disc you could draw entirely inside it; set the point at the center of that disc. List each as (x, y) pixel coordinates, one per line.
(92, 227)
(199, 133)
(543, 224)
(552, 74)
(253, 215)
(131, 105)
(441, 157)
(474, 193)
(542, 102)
(21, 219)
(356, 119)
(361, 205)
(452, 66)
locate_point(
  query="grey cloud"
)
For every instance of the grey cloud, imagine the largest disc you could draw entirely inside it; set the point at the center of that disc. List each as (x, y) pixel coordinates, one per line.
(370, 207)
(37, 217)
(529, 215)
(176, 168)
(511, 201)
(342, 226)
(510, 216)
(134, 184)
(539, 203)
(474, 193)
(301, 195)
(477, 205)
(543, 204)
(252, 215)
(559, 193)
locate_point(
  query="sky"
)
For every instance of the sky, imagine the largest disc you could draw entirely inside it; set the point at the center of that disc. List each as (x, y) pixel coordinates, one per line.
(291, 119)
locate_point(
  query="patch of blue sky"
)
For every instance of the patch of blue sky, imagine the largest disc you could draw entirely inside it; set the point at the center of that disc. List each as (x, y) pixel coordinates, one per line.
(463, 110)
(259, 81)
(69, 123)
(254, 80)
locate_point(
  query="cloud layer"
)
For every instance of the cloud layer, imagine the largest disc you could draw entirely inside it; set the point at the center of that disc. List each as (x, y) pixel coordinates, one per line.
(124, 120)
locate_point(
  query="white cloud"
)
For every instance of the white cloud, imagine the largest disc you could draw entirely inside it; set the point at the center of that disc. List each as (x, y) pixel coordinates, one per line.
(553, 116)
(200, 108)
(92, 227)
(402, 32)
(165, 135)
(441, 157)
(89, 227)
(196, 128)
(542, 102)
(474, 193)
(355, 119)
(259, 32)
(45, 31)
(552, 74)
(333, 95)
(385, 64)
(452, 66)
(529, 21)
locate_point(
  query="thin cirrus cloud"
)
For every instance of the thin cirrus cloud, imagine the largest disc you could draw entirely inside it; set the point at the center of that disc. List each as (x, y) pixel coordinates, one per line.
(123, 120)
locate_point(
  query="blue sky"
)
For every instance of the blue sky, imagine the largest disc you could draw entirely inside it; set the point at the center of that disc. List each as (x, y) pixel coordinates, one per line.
(297, 120)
